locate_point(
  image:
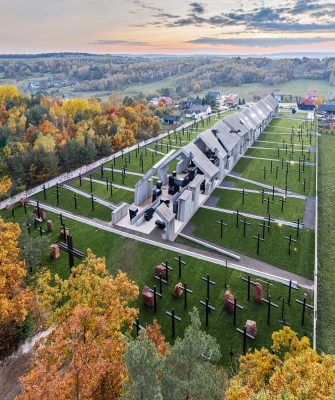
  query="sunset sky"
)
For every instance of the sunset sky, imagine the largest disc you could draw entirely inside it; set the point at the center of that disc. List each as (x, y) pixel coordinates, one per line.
(167, 26)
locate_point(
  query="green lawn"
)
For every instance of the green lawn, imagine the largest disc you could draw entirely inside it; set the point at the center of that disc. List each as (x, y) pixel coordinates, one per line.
(66, 201)
(293, 208)
(278, 143)
(116, 177)
(100, 190)
(326, 240)
(274, 250)
(254, 169)
(138, 261)
(296, 155)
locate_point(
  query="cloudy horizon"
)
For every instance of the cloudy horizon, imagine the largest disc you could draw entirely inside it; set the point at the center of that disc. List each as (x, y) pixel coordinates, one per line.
(167, 27)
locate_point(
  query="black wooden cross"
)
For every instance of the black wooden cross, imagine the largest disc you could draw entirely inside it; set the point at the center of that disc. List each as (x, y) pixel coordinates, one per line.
(250, 282)
(268, 204)
(180, 263)
(38, 210)
(304, 306)
(291, 285)
(57, 193)
(245, 336)
(106, 179)
(263, 195)
(92, 202)
(237, 217)
(41, 230)
(277, 171)
(243, 195)
(270, 304)
(137, 325)
(298, 226)
(236, 306)
(154, 291)
(283, 300)
(102, 171)
(68, 248)
(44, 192)
(283, 200)
(25, 207)
(258, 238)
(245, 223)
(80, 180)
(75, 198)
(290, 240)
(91, 184)
(209, 282)
(29, 228)
(61, 219)
(222, 225)
(208, 308)
(263, 226)
(161, 281)
(166, 265)
(186, 290)
(174, 318)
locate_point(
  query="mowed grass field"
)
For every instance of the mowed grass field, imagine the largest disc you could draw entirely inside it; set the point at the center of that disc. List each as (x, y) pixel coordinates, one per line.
(255, 203)
(138, 261)
(326, 250)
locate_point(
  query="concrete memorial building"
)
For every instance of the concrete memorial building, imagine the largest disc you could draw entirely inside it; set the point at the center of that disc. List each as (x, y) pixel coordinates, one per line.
(166, 199)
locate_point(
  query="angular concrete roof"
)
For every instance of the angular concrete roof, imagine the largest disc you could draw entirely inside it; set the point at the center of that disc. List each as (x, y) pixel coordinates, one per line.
(228, 139)
(165, 213)
(211, 141)
(200, 160)
(236, 124)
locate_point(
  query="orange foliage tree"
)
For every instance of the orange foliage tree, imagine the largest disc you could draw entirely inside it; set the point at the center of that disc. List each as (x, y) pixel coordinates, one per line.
(15, 299)
(154, 333)
(294, 371)
(83, 356)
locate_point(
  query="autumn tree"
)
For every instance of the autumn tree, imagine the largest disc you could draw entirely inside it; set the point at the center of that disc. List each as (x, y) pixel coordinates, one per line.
(154, 333)
(15, 298)
(83, 356)
(8, 92)
(292, 370)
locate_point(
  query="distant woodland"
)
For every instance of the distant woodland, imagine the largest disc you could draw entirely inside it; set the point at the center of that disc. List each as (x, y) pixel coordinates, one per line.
(86, 72)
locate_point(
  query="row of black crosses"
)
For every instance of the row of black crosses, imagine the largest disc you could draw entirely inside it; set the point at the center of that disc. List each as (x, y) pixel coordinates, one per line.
(265, 225)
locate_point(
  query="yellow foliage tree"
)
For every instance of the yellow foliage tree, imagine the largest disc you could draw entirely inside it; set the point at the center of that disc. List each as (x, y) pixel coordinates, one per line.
(5, 184)
(293, 372)
(318, 101)
(72, 107)
(8, 92)
(83, 357)
(46, 142)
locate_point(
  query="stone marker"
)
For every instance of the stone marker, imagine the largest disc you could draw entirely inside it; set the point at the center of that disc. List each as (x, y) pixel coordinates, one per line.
(50, 225)
(178, 290)
(44, 215)
(258, 293)
(64, 233)
(148, 296)
(228, 306)
(54, 251)
(251, 327)
(160, 270)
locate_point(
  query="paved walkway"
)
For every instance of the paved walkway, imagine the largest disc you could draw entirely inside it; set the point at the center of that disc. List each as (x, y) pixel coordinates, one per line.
(278, 190)
(120, 170)
(309, 214)
(129, 189)
(252, 216)
(276, 160)
(273, 148)
(293, 196)
(156, 151)
(88, 196)
(289, 144)
(247, 265)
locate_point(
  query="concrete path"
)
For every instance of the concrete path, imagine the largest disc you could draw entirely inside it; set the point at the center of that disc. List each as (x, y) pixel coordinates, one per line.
(120, 170)
(279, 190)
(246, 265)
(289, 144)
(272, 148)
(293, 196)
(276, 160)
(252, 216)
(88, 196)
(309, 214)
(156, 151)
(129, 189)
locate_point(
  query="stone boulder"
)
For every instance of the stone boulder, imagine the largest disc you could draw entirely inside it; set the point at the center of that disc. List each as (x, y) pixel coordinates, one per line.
(54, 251)
(228, 306)
(50, 225)
(148, 297)
(65, 234)
(251, 327)
(258, 293)
(160, 270)
(178, 290)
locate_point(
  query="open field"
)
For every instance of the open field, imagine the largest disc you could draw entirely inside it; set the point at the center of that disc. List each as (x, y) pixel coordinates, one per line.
(138, 261)
(274, 249)
(233, 200)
